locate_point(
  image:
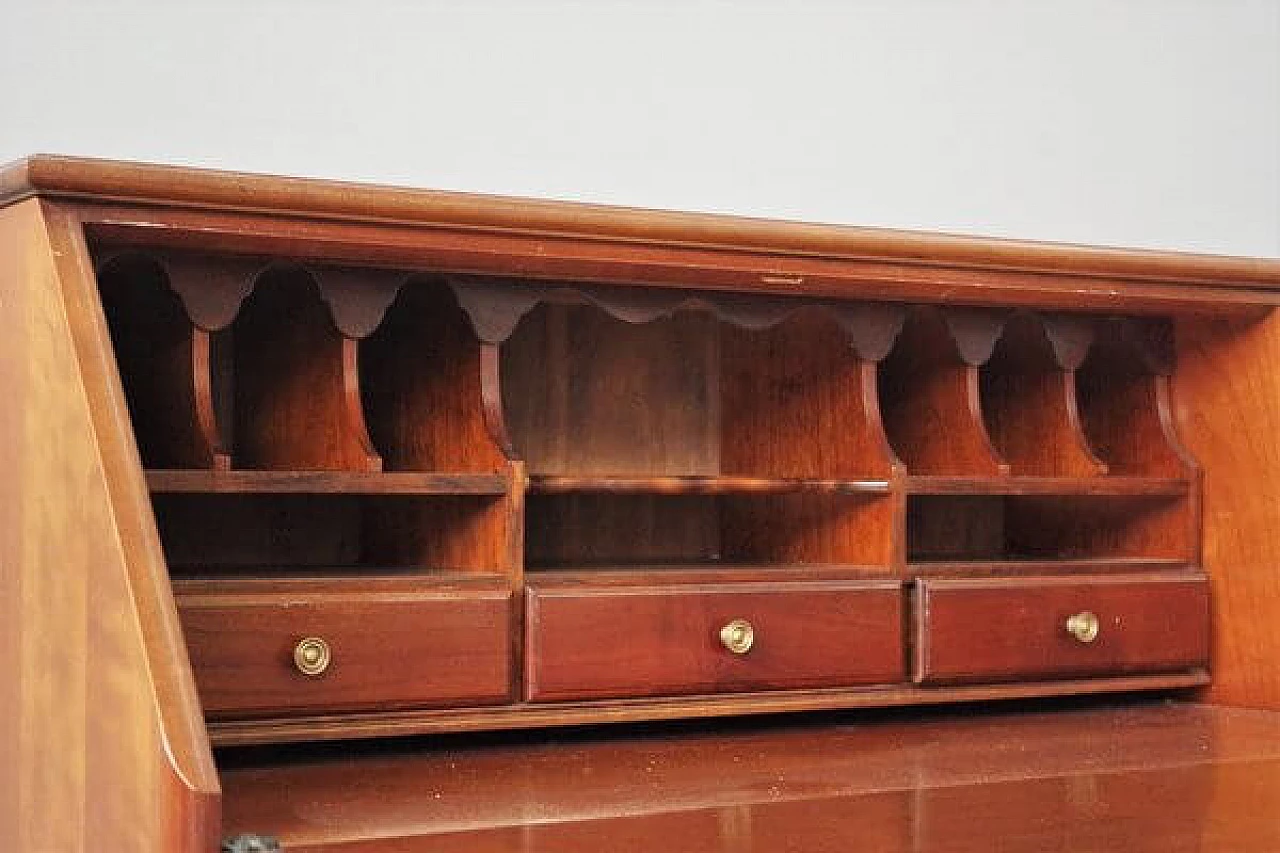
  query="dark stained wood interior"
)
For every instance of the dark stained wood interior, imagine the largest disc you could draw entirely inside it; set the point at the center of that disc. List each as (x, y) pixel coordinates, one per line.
(354, 466)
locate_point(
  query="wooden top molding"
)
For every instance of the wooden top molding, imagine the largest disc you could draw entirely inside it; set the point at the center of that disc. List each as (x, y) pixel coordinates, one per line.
(780, 257)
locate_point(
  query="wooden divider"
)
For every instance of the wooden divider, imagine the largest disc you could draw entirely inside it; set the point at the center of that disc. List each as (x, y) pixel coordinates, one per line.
(1125, 407)
(297, 393)
(930, 396)
(164, 361)
(420, 377)
(1029, 400)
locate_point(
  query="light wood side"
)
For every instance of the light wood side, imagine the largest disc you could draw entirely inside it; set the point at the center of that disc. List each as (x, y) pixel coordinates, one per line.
(101, 741)
(1227, 404)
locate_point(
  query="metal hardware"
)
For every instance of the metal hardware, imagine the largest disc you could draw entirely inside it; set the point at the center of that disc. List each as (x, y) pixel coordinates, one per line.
(311, 656)
(251, 844)
(738, 636)
(1084, 626)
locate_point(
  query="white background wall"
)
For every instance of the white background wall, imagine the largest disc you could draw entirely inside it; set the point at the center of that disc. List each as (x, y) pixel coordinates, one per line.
(1132, 122)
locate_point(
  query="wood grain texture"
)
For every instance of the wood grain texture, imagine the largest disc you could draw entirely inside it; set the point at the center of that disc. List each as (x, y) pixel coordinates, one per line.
(1029, 405)
(164, 362)
(586, 394)
(997, 629)
(420, 376)
(393, 645)
(345, 727)
(812, 528)
(1125, 408)
(1227, 394)
(1146, 777)
(89, 621)
(931, 404)
(547, 484)
(611, 641)
(297, 386)
(964, 268)
(797, 401)
(326, 482)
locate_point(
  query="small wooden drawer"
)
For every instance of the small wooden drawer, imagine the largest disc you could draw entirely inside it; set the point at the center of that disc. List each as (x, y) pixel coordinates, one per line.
(614, 641)
(1001, 629)
(380, 646)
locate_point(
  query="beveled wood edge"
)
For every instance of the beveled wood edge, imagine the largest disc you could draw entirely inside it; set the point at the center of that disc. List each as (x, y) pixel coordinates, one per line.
(179, 716)
(549, 715)
(1190, 574)
(76, 178)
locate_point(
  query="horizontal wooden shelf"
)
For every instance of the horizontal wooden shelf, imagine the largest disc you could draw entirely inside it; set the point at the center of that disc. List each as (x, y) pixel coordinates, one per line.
(1102, 486)
(366, 578)
(1014, 566)
(325, 482)
(697, 573)
(547, 484)
(526, 716)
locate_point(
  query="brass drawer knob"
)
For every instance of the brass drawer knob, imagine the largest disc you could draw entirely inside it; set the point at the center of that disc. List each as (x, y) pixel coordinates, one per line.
(738, 636)
(311, 656)
(1084, 626)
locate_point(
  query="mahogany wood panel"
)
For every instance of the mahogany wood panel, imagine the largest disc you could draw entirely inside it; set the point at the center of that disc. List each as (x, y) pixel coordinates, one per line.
(586, 394)
(797, 401)
(1228, 408)
(297, 395)
(164, 363)
(594, 529)
(1081, 526)
(392, 647)
(931, 403)
(989, 629)
(541, 715)
(1126, 410)
(1036, 777)
(88, 623)
(812, 528)
(1117, 486)
(1029, 405)
(838, 261)
(420, 380)
(464, 533)
(327, 482)
(546, 484)
(653, 640)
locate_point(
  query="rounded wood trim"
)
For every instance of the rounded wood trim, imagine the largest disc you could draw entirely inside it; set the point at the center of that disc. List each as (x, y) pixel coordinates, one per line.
(71, 177)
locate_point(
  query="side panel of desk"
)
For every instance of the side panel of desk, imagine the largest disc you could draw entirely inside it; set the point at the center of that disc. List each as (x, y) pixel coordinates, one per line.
(1228, 404)
(101, 741)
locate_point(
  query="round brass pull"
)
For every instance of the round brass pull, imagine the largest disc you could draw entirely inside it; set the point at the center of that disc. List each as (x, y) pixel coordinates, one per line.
(1084, 626)
(738, 636)
(311, 656)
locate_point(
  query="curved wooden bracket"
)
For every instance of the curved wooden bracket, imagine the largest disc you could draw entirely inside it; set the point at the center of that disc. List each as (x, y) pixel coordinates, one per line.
(1070, 337)
(358, 299)
(974, 331)
(930, 394)
(212, 289)
(1029, 397)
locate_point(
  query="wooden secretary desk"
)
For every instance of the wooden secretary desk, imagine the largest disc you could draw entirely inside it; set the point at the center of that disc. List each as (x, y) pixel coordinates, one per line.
(301, 472)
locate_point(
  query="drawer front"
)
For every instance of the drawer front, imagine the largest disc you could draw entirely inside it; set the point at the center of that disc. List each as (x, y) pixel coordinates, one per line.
(384, 651)
(1003, 629)
(610, 642)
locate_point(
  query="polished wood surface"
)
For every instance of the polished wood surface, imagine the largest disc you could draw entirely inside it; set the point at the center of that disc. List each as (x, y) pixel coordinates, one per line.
(993, 629)
(586, 642)
(100, 731)
(1150, 777)
(451, 644)
(716, 250)
(642, 425)
(1230, 367)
